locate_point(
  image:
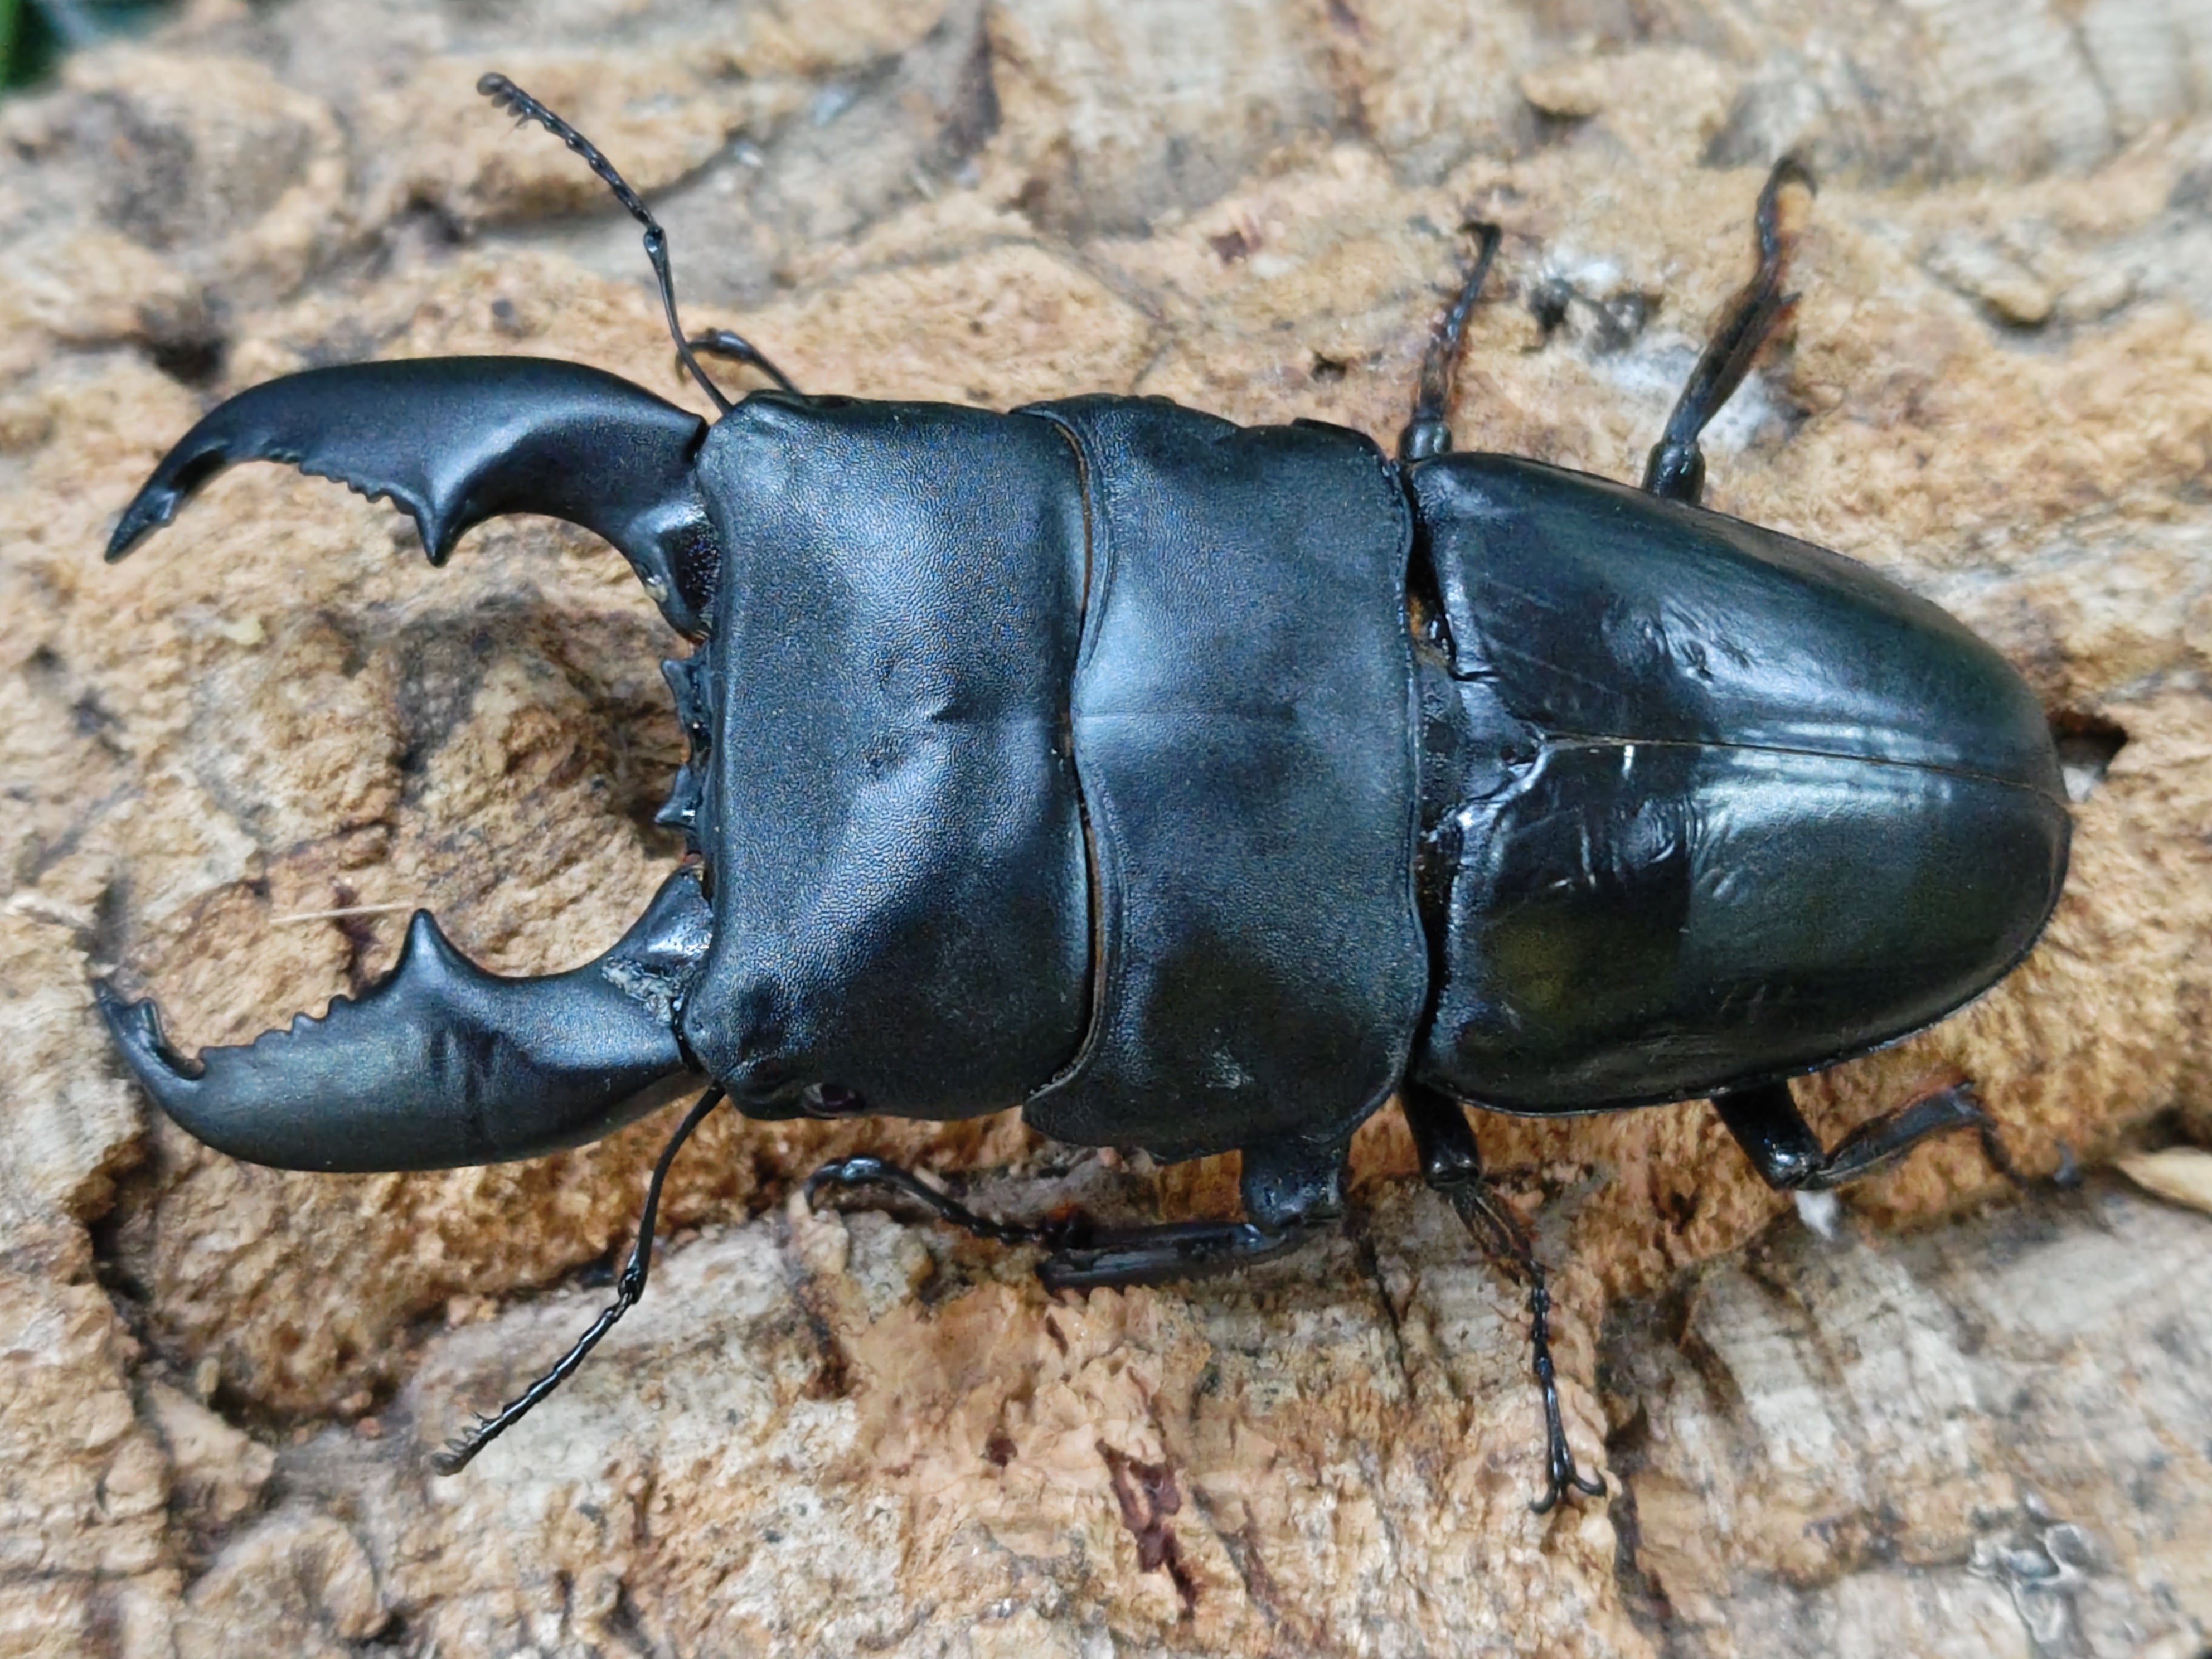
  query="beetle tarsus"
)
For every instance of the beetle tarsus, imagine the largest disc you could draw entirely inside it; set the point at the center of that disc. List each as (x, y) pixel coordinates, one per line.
(1083, 1255)
(865, 1171)
(1499, 1230)
(1426, 434)
(725, 342)
(1560, 1472)
(1451, 1165)
(458, 1452)
(1676, 470)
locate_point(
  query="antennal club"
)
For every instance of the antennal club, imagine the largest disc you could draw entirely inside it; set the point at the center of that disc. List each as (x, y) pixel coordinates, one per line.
(513, 99)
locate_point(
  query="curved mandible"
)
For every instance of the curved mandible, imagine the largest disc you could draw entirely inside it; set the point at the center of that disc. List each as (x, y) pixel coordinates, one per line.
(456, 440)
(440, 1064)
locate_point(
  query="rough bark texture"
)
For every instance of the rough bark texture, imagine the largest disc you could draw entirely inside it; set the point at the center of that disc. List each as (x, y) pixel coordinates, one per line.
(1964, 1425)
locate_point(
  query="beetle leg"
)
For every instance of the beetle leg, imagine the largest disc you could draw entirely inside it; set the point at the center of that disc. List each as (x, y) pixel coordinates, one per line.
(865, 1171)
(1452, 1166)
(1289, 1192)
(1425, 432)
(458, 1452)
(1788, 1156)
(1676, 470)
(723, 342)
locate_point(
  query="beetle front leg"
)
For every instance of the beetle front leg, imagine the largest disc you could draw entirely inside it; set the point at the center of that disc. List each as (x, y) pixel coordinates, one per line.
(1290, 1191)
(1782, 1146)
(1451, 1163)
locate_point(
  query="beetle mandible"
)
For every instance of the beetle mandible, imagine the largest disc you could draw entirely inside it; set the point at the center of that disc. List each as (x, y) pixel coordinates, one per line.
(1201, 786)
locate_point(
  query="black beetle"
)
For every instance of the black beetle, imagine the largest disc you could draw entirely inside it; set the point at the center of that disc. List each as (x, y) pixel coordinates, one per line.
(1200, 786)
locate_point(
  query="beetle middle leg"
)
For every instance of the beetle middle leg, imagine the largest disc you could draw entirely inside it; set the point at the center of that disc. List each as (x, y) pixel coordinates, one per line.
(1425, 434)
(1676, 470)
(1451, 1164)
(1290, 1191)
(1788, 1156)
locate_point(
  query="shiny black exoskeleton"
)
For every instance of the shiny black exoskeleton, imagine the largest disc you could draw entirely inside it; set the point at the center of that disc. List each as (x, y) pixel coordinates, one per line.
(1201, 786)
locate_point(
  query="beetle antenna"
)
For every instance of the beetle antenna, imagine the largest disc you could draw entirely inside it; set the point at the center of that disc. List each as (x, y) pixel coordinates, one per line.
(1425, 432)
(458, 1452)
(512, 98)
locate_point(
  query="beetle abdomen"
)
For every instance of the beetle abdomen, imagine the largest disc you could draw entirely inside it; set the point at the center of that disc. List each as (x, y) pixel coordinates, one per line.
(1756, 808)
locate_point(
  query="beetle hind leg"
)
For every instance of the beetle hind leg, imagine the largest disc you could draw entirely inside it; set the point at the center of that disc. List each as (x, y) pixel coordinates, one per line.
(1452, 1166)
(1676, 470)
(1788, 1156)
(1289, 1192)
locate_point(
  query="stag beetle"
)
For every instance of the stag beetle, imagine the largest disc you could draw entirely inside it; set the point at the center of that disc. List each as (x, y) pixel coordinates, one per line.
(1200, 786)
